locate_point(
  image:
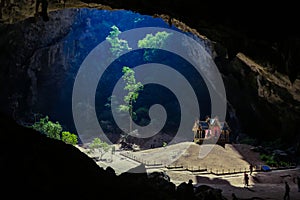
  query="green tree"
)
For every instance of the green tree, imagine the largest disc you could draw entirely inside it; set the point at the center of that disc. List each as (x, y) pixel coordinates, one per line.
(164, 144)
(117, 45)
(99, 146)
(153, 42)
(49, 128)
(133, 89)
(69, 138)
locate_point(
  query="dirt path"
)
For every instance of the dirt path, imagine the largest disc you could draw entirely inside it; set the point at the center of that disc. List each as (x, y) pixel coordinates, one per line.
(266, 185)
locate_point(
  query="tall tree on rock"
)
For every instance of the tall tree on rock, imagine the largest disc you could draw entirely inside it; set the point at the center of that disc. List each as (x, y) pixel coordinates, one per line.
(133, 89)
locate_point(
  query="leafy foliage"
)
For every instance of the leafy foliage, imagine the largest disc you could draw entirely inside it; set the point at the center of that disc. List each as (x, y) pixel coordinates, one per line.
(69, 138)
(54, 130)
(117, 45)
(132, 86)
(154, 42)
(164, 144)
(133, 89)
(99, 146)
(272, 161)
(268, 159)
(248, 140)
(111, 101)
(51, 129)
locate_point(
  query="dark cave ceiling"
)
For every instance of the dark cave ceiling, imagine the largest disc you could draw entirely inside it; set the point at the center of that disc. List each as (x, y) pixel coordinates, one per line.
(254, 17)
(268, 27)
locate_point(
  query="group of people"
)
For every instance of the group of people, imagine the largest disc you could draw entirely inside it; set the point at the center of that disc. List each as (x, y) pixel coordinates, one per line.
(246, 176)
(287, 186)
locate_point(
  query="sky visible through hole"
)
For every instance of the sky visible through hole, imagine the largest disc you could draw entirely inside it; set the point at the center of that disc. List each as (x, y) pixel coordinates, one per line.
(90, 28)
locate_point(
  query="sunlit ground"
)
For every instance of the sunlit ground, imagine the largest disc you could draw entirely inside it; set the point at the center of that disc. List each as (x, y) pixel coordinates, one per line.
(266, 185)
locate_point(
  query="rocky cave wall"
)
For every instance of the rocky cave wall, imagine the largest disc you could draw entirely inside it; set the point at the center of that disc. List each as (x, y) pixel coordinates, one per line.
(262, 83)
(265, 97)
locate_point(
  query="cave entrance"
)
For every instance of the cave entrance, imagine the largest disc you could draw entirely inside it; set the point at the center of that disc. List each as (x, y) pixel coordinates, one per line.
(61, 47)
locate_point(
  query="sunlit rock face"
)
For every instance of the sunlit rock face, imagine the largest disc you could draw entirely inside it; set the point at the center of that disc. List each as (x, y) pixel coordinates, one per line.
(267, 103)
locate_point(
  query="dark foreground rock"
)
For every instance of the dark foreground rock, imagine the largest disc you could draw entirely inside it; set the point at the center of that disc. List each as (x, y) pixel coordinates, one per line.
(34, 166)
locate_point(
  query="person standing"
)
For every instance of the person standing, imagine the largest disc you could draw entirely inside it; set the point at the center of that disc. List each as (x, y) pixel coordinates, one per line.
(44, 12)
(234, 196)
(246, 180)
(298, 183)
(287, 191)
(251, 169)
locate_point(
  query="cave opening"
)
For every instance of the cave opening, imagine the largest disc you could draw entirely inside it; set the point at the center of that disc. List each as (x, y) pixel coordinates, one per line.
(45, 59)
(54, 64)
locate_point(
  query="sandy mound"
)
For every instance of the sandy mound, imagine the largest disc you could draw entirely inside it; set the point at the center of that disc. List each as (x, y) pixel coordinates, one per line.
(230, 158)
(226, 159)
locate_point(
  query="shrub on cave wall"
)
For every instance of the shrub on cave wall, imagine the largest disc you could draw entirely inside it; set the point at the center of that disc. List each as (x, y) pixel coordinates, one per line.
(69, 138)
(117, 45)
(49, 128)
(153, 42)
(54, 130)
